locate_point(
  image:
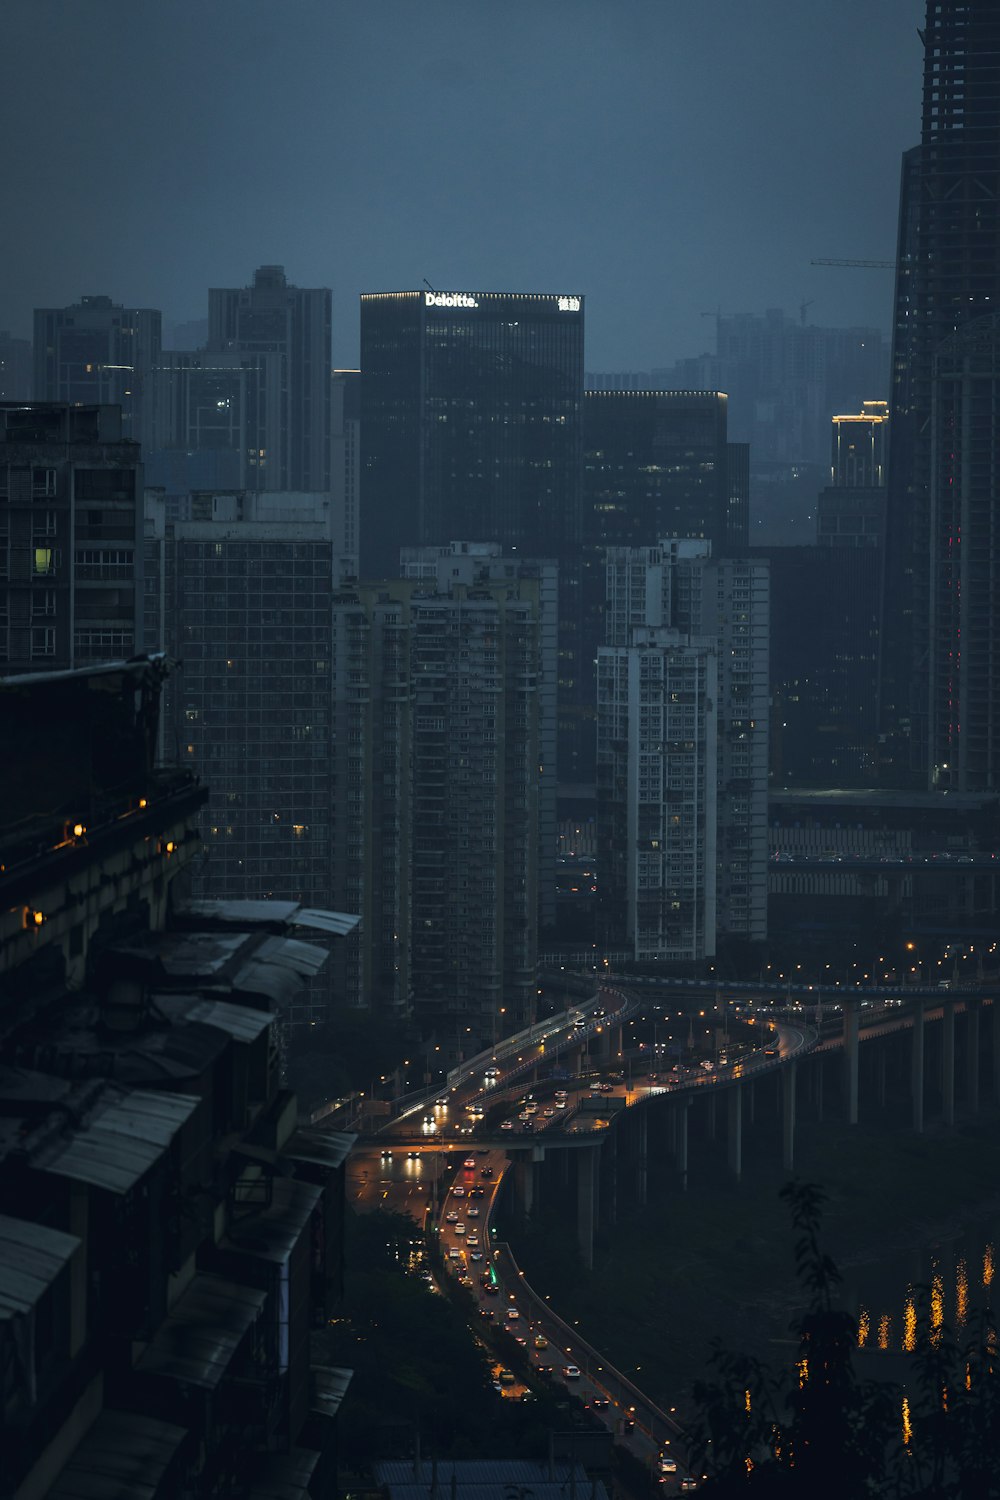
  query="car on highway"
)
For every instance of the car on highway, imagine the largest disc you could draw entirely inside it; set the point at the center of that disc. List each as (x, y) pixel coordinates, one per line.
(454, 1253)
(512, 1315)
(490, 1287)
(469, 1162)
(472, 1212)
(485, 1173)
(602, 1402)
(560, 1104)
(451, 1217)
(471, 1238)
(544, 1370)
(465, 1280)
(506, 1124)
(460, 1228)
(561, 1094)
(687, 1484)
(458, 1191)
(668, 1465)
(440, 1103)
(475, 1255)
(571, 1372)
(548, 1113)
(541, 1342)
(477, 1192)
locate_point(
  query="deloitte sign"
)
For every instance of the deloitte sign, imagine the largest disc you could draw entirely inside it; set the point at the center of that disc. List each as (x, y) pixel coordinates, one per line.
(449, 299)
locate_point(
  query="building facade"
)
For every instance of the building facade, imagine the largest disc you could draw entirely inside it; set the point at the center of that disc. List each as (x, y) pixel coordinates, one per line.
(97, 353)
(16, 368)
(938, 709)
(70, 537)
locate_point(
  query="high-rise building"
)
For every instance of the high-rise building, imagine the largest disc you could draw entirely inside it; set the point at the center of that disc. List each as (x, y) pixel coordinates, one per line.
(286, 331)
(940, 634)
(345, 477)
(471, 426)
(206, 420)
(70, 537)
(248, 581)
(435, 838)
(97, 353)
(15, 368)
(717, 606)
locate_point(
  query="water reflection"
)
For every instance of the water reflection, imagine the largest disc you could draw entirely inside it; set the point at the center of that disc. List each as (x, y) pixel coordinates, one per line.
(883, 1331)
(907, 1425)
(937, 1307)
(909, 1322)
(864, 1327)
(939, 1293)
(961, 1292)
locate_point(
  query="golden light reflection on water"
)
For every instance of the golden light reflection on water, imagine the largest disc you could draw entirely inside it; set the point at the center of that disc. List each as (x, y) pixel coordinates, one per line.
(907, 1425)
(864, 1327)
(961, 1292)
(968, 1377)
(883, 1331)
(909, 1323)
(746, 1399)
(988, 1265)
(937, 1307)
(803, 1369)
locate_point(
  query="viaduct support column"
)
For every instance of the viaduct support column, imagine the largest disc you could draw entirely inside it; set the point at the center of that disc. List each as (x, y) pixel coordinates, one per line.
(851, 1058)
(524, 1185)
(643, 1157)
(586, 1171)
(972, 1008)
(917, 1065)
(711, 1117)
(682, 1142)
(735, 1134)
(948, 1061)
(996, 1045)
(788, 1116)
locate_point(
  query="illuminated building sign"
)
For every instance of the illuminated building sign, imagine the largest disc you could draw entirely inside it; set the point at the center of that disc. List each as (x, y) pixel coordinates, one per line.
(569, 304)
(449, 299)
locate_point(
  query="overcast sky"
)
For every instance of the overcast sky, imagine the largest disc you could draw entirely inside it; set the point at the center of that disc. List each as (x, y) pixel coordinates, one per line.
(664, 157)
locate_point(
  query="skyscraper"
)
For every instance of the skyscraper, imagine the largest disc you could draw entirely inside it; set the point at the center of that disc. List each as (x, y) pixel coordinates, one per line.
(940, 632)
(471, 426)
(96, 353)
(287, 330)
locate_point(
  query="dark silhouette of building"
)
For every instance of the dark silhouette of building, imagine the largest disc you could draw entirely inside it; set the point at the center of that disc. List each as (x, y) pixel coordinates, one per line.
(70, 536)
(940, 705)
(471, 426)
(15, 368)
(170, 1235)
(97, 353)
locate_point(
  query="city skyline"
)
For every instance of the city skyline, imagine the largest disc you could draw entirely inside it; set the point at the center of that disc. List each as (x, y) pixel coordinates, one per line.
(561, 115)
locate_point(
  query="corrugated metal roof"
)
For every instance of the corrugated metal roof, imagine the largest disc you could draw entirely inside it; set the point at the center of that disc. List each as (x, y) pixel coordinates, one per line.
(202, 1331)
(327, 1148)
(31, 1257)
(240, 1021)
(273, 1232)
(285, 1476)
(279, 968)
(121, 1140)
(330, 1384)
(340, 923)
(123, 1457)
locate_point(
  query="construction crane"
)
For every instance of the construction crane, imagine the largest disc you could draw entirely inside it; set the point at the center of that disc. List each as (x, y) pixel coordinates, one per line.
(868, 265)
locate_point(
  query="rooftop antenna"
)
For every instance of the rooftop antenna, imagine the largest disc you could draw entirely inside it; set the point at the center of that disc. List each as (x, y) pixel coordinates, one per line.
(428, 285)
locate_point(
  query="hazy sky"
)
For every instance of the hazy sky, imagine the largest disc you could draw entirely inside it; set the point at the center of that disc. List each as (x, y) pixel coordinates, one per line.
(664, 157)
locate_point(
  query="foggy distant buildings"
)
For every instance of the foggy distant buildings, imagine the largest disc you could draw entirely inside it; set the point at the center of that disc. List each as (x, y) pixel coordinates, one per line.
(97, 352)
(345, 456)
(682, 715)
(70, 537)
(253, 409)
(437, 719)
(471, 425)
(940, 704)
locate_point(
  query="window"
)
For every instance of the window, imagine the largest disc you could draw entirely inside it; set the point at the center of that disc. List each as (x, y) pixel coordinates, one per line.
(45, 562)
(105, 563)
(43, 641)
(101, 645)
(43, 484)
(43, 603)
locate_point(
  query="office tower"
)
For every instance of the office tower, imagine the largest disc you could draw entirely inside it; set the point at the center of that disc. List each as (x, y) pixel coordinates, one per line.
(939, 705)
(435, 838)
(345, 392)
(471, 563)
(287, 331)
(206, 421)
(248, 584)
(717, 606)
(471, 426)
(170, 1238)
(851, 509)
(70, 536)
(97, 353)
(15, 368)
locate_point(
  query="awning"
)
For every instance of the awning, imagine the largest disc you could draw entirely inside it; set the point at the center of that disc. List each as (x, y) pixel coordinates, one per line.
(273, 1232)
(126, 1134)
(329, 1383)
(31, 1257)
(241, 1022)
(327, 1148)
(201, 1333)
(279, 968)
(123, 1457)
(268, 913)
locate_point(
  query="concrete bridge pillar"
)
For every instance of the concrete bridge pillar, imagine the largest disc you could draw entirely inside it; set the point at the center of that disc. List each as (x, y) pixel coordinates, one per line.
(851, 1058)
(681, 1152)
(917, 1065)
(735, 1131)
(880, 1071)
(609, 1193)
(788, 1116)
(642, 1157)
(948, 1060)
(524, 1185)
(751, 1099)
(586, 1195)
(972, 1009)
(711, 1117)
